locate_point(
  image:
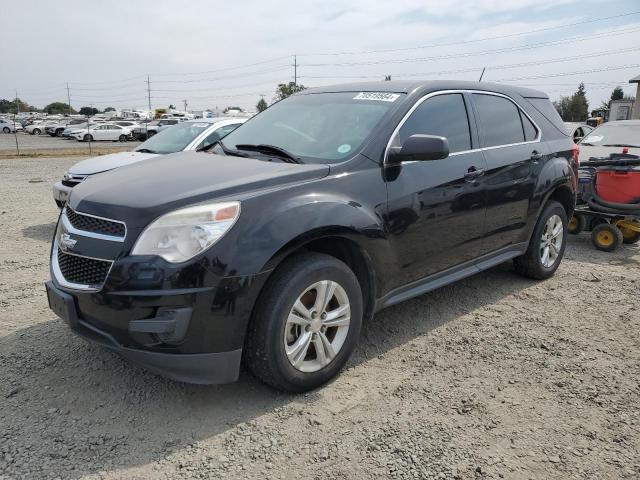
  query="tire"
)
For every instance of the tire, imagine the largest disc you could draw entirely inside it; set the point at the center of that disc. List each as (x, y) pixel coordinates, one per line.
(122, 138)
(606, 237)
(629, 236)
(6, 130)
(270, 331)
(595, 221)
(533, 264)
(59, 132)
(150, 134)
(37, 131)
(577, 224)
(87, 138)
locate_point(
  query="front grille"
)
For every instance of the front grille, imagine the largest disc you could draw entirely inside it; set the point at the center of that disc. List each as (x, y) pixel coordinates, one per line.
(82, 270)
(95, 225)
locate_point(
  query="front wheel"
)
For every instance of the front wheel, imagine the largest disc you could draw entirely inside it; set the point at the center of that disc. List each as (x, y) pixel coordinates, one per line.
(37, 131)
(87, 138)
(306, 323)
(547, 244)
(122, 138)
(6, 130)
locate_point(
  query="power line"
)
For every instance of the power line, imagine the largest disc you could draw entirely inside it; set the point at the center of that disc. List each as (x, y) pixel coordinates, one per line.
(565, 74)
(489, 68)
(237, 67)
(480, 52)
(464, 42)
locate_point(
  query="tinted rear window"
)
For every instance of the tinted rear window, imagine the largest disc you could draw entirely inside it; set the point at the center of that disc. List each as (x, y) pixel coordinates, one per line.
(548, 111)
(500, 122)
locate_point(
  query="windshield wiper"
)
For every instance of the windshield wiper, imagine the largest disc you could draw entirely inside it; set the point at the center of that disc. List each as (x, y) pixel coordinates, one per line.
(145, 150)
(227, 151)
(621, 145)
(271, 149)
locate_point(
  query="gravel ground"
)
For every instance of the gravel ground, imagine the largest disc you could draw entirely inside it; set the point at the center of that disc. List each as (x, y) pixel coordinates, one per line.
(494, 377)
(34, 143)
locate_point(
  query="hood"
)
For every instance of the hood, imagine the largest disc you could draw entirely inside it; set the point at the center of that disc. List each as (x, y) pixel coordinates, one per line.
(103, 163)
(141, 192)
(586, 152)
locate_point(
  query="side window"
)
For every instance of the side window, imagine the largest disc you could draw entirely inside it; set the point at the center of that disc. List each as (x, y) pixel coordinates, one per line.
(530, 131)
(218, 134)
(443, 115)
(500, 122)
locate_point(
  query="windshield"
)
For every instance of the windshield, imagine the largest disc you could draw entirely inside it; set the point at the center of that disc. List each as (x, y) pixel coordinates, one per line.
(175, 138)
(614, 134)
(321, 127)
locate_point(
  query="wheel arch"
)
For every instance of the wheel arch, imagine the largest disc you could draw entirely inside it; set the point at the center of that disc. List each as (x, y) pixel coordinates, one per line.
(343, 244)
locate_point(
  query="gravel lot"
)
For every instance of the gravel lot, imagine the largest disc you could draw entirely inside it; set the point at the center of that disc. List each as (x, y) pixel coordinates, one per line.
(34, 143)
(494, 377)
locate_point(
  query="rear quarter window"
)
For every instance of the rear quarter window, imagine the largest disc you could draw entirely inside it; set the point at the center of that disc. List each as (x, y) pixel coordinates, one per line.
(548, 111)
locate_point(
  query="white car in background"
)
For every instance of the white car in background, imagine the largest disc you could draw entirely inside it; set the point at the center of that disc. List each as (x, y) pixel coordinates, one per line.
(103, 132)
(189, 135)
(9, 126)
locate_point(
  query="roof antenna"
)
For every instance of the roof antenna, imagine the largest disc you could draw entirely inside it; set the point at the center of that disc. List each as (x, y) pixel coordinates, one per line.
(482, 74)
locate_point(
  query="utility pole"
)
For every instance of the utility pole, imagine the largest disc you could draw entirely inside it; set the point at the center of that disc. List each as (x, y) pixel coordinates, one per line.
(68, 99)
(295, 70)
(185, 106)
(482, 74)
(146, 125)
(15, 130)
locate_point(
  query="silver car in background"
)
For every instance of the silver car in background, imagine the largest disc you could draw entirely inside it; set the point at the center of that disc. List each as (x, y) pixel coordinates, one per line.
(189, 135)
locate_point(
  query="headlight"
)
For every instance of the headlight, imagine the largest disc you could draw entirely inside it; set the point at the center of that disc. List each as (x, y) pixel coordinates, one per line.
(182, 234)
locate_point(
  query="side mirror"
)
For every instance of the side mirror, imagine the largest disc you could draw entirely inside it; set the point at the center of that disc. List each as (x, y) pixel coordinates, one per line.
(420, 147)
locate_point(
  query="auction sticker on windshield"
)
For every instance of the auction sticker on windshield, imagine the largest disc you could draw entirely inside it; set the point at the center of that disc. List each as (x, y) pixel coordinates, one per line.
(379, 96)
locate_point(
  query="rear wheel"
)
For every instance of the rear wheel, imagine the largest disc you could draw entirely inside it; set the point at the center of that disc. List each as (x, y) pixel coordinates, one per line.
(122, 138)
(306, 323)
(547, 244)
(6, 130)
(606, 237)
(150, 133)
(37, 131)
(59, 132)
(576, 224)
(87, 138)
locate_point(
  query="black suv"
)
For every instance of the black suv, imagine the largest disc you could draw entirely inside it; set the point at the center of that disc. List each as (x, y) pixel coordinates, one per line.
(274, 246)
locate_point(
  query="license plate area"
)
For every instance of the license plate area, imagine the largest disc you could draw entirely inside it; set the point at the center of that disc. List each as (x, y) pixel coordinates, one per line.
(62, 304)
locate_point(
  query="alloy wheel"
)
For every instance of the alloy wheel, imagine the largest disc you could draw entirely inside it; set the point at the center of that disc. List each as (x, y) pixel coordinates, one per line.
(551, 241)
(317, 326)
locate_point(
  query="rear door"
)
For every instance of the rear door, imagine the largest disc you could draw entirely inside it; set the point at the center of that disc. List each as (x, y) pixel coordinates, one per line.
(436, 208)
(510, 142)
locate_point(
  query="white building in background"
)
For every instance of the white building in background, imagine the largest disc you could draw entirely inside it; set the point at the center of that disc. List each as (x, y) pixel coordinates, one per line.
(635, 110)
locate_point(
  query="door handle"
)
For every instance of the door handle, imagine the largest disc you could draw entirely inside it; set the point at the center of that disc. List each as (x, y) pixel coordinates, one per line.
(473, 173)
(536, 156)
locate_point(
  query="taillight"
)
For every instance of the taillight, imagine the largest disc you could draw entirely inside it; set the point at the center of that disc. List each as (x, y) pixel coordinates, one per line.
(625, 150)
(576, 154)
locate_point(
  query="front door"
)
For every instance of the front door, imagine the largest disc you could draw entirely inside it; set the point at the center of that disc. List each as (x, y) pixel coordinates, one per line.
(436, 209)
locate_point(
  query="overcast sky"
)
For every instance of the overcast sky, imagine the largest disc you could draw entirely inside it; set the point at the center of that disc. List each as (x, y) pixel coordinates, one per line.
(202, 51)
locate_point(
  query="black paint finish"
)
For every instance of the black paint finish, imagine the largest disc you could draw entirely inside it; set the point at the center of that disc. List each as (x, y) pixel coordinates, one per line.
(413, 222)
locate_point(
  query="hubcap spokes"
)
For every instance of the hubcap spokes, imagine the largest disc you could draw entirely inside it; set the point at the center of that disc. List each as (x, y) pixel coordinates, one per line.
(317, 326)
(551, 241)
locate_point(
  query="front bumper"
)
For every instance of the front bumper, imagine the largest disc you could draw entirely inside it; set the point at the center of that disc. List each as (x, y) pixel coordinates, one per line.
(136, 314)
(201, 368)
(61, 193)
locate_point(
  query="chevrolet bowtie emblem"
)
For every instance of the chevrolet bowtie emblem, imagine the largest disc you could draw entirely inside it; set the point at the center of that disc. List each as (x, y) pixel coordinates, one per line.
(66, 242)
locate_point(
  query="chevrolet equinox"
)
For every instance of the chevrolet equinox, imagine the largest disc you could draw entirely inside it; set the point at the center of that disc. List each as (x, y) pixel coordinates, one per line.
(271, 247)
